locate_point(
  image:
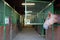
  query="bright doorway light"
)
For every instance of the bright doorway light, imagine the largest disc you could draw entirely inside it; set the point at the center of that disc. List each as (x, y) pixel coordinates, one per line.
(28, 3)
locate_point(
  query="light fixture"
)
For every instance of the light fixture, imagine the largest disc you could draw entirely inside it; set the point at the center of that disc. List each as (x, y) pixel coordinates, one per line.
(28, 3)
(28, 11)
(50, 4)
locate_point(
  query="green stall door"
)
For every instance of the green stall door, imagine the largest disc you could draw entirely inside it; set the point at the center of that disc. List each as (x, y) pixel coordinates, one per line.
(37, 13)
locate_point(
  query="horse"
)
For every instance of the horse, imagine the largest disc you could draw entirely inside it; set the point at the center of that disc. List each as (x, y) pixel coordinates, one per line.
(50, 20)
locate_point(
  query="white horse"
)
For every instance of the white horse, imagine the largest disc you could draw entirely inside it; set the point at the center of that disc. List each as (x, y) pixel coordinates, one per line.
(50, 20)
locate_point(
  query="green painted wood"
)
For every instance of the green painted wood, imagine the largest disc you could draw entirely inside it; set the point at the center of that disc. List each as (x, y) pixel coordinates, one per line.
(6, 11)
(4, 23)
(1, 12)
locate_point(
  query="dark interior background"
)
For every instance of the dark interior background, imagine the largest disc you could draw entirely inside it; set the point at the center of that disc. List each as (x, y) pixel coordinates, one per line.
(16, 4)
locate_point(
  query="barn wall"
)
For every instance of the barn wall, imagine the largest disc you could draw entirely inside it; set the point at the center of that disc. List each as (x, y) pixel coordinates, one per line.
(8, 30)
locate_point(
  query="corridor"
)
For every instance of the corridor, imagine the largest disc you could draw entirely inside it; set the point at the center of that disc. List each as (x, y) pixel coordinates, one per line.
(28, 34)
(17, 16)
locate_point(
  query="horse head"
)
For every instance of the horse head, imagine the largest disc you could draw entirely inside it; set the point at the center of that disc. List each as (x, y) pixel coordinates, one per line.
(50, 20)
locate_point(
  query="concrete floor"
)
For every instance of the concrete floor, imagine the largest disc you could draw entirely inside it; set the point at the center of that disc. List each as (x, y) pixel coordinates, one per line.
(28, 34)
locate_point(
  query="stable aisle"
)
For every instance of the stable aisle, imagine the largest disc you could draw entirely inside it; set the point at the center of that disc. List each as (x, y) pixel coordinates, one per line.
(28, 34)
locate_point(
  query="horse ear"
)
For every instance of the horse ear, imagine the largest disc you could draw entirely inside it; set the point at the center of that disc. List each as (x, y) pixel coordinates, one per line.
(49, 14)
